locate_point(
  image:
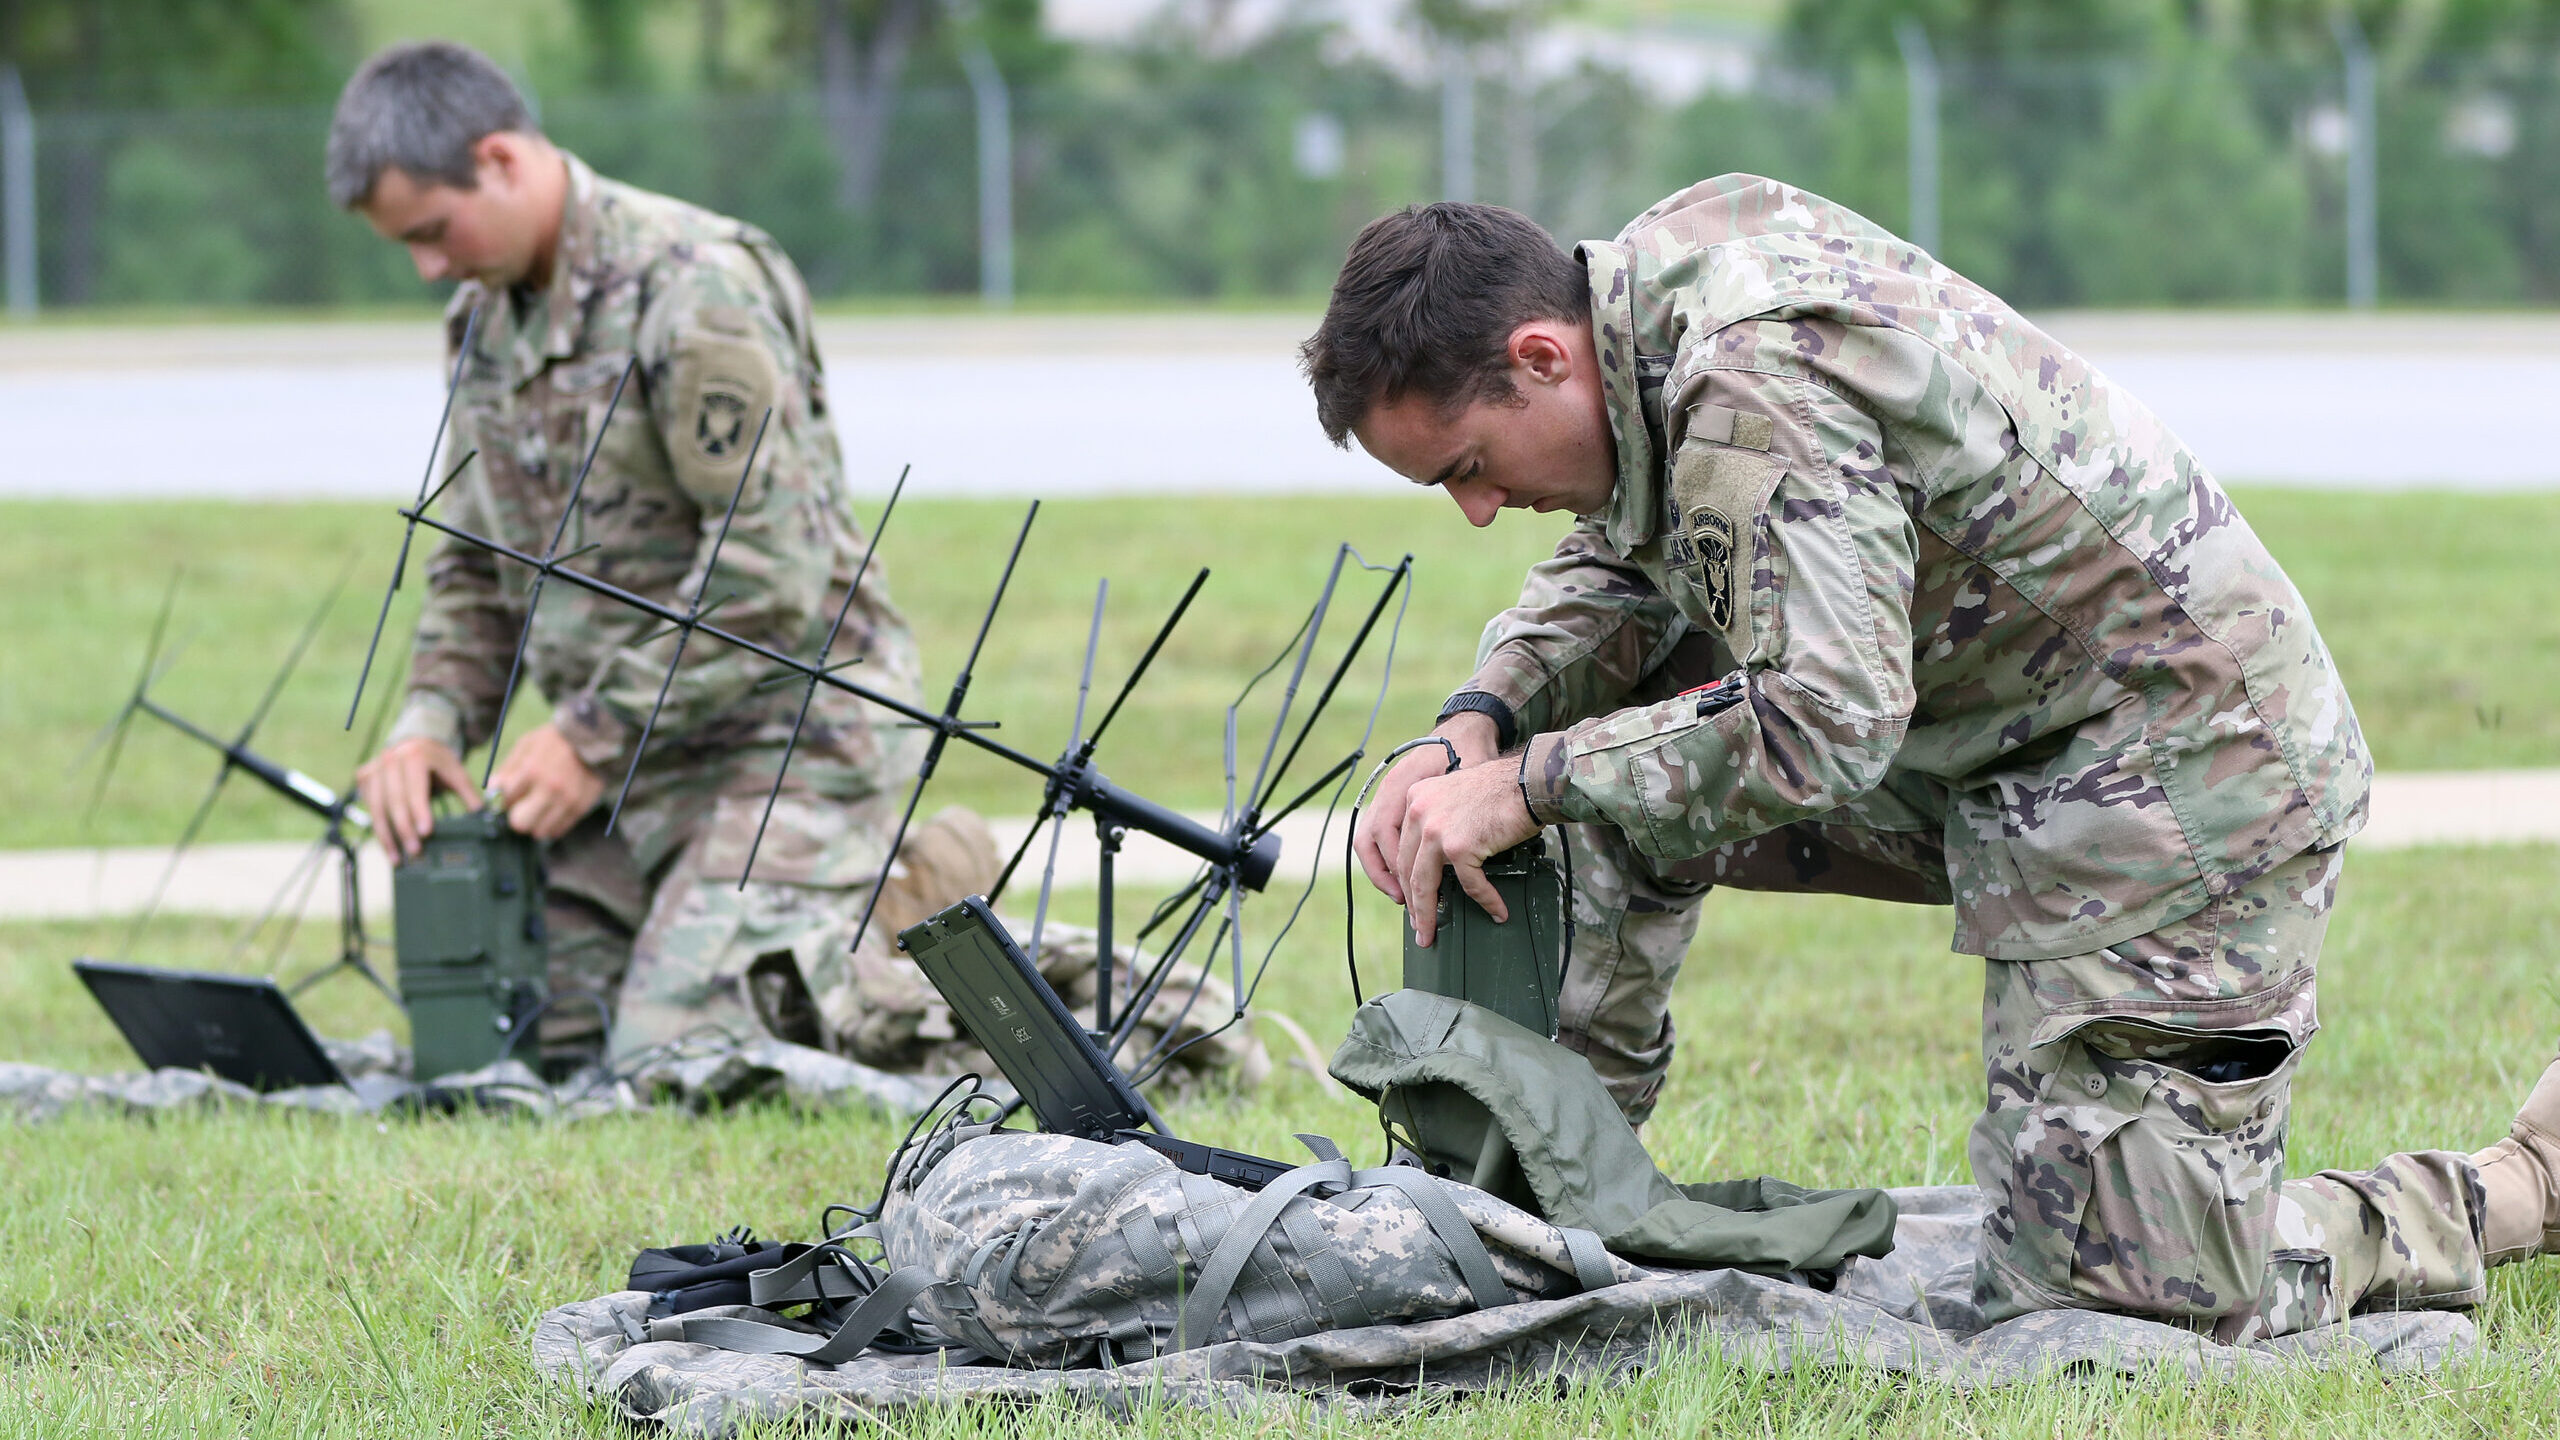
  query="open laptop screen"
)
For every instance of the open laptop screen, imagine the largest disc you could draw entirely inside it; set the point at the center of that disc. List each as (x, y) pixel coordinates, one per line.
(240, 1027)
(999, 997)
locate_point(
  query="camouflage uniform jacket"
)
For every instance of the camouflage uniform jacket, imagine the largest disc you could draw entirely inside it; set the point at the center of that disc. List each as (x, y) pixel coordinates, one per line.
(1955, 582)
(718, 323)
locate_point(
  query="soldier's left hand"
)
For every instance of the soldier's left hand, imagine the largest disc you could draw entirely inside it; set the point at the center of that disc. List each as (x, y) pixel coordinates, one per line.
(545, 786)
(1457, 821)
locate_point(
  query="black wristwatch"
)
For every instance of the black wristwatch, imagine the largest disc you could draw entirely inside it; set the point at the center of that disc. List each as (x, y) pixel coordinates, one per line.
(1506, 726)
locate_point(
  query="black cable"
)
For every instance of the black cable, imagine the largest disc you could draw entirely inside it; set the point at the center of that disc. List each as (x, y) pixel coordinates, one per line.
(1350, 944)
(1153, 1063)
(889, 1173)
(1564, 885)
(1156, 1064)
(516, 1032)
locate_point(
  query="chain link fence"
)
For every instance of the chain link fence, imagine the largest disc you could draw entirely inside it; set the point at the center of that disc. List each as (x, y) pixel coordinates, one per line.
(2184, 177)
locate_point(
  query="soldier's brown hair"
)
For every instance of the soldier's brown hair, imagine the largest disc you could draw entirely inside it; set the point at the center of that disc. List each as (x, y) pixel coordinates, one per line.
(419, 106)
(1425, 305)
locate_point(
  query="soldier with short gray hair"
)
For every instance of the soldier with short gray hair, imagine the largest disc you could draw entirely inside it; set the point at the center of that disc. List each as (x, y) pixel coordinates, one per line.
(1876, 589)
(568, 283)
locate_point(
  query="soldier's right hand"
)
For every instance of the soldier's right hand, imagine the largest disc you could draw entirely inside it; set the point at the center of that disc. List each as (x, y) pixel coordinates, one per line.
(399, 787)
(1381, 830)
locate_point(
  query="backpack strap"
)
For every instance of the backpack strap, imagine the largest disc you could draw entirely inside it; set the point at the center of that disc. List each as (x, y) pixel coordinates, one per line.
(822, 1272)
(1218, 1277)
(885, 1310)
(1590, 1258)
(1344, 1309)
(1475, 1263)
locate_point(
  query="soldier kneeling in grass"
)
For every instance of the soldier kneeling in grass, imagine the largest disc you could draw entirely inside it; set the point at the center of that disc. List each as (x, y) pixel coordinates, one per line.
(1875, 589)
(567, 280)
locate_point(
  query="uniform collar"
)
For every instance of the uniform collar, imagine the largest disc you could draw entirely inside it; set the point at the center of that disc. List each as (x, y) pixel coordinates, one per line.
(556, 323)
(1635, 504)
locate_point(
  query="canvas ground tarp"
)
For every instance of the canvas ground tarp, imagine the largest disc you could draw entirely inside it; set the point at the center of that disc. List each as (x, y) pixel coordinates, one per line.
(700, 1076)
(1909, 1313)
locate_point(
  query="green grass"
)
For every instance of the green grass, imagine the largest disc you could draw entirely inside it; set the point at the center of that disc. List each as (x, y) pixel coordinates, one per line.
(2438, 608)
(278, 1274)
(80, 584)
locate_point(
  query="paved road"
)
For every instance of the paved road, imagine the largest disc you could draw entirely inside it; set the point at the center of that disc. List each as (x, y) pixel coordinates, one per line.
(2442, 808)
(1073, 405)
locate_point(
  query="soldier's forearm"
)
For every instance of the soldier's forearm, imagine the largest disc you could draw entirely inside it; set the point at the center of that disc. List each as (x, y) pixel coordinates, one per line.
(1587, 628)
(1714, 765)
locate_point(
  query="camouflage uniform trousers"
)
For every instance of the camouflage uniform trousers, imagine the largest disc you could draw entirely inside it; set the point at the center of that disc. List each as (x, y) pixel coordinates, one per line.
(2132, 1142)
(693, 955)
(682, 957)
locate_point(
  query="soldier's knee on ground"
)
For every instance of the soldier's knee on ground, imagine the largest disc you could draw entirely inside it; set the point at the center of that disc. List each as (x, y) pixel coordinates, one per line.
(2135, 1167)
(586, 953)
(946, 858)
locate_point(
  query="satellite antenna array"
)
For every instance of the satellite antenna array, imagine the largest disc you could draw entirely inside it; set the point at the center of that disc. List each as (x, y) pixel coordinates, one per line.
(336, 809)
(1239, 854)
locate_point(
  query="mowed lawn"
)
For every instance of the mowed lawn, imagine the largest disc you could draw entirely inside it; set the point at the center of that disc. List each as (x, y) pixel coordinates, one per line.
(270, 1274)
(285, 1275)
(2437, 605)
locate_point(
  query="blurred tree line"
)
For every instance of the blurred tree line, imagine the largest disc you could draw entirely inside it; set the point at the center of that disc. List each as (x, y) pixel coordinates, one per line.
(2183, 151)
(2094, 151)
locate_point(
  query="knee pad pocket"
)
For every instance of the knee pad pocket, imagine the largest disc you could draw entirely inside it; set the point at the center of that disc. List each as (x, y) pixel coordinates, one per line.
(2146, 1173)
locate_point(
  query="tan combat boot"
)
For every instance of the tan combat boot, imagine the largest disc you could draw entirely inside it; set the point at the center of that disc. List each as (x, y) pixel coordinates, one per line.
(943, 859)
(2521, 1175)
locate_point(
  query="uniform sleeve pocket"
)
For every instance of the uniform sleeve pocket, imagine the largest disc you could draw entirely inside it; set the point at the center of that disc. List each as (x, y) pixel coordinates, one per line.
(1631, 763)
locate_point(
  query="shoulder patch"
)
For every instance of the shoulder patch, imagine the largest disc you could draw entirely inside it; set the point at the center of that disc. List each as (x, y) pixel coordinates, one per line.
(1718, 491)
(723, 388)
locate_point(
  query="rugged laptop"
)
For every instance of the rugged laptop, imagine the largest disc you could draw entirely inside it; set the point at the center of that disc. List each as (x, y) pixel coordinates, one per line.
(999, 996)
(240, 1027)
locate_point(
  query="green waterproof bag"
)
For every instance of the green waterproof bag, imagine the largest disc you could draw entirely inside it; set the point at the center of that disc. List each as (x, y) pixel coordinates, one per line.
(1481, 1100)
(467, 927)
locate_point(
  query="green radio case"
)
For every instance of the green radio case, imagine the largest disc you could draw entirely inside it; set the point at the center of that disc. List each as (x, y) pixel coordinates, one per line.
(1514, 968)
(467, 929)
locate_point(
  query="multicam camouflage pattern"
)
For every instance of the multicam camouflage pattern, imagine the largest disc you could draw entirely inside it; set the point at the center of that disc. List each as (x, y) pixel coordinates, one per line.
(1908, 1314)
(717, 323)
(1058, 1251)
(699, 955)
(2134, 1138)
(1957, 580)
(1634, 917)
(1896, 596)
(714, 325)
(2122, 1178)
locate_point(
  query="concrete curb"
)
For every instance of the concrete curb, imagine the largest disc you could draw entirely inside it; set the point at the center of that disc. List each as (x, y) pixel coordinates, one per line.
(2474, 807)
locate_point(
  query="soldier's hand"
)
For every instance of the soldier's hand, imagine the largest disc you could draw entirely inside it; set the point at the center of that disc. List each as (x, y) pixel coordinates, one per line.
(545, 786)
(1381, 835)
(1457, 821)
(399, 787)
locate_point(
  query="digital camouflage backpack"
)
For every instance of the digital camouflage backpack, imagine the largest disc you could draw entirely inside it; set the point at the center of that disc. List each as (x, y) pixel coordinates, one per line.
(1049, 1250)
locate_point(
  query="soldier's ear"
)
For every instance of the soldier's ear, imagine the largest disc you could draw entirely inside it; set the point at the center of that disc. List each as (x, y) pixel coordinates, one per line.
(503, 156)
(1539, 348)
(494, 157)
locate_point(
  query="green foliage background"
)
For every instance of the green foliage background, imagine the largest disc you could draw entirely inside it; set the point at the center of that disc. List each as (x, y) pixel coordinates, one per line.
(2141, 152)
